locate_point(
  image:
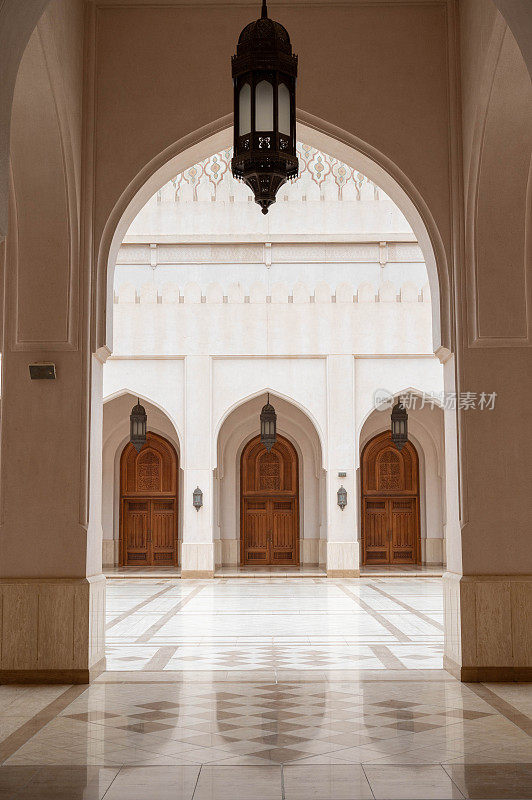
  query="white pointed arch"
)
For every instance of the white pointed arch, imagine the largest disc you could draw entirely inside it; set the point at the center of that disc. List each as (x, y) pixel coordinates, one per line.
(273, 394)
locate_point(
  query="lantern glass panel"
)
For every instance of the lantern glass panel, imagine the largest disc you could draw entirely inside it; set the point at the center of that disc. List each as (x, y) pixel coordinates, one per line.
(284, 109)
(244, 110)
(264, 106)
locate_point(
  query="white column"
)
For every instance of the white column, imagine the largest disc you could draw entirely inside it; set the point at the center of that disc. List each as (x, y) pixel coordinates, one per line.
(342, 545)
(197, 552)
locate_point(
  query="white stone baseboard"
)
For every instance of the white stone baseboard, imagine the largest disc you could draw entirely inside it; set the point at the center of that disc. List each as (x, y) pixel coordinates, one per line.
(432, 551)
(309, 551)
(52, 630)
(322, 553)
(197, 560)
(218, 559)
(110, 553)
(230, 552)
(343, 560)
(488, 626)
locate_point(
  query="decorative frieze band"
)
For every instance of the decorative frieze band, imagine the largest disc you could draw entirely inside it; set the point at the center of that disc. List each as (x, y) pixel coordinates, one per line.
(299, 293)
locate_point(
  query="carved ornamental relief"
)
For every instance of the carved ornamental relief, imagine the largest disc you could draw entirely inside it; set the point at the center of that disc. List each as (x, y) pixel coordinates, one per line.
(148, 472)
(389, 471)
(269, 473)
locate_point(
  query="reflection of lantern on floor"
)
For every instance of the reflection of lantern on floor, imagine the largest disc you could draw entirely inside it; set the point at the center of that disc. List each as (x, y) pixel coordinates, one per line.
(264, 77)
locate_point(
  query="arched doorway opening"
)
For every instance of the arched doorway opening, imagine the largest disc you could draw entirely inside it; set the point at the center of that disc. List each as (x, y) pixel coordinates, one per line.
(269, 504)
(300, 429)
(148, 504)
(390, 503)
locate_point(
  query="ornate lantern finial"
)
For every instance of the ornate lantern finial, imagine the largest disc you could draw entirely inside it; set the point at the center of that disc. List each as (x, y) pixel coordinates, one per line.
(399, 425)
(137, 426)
(268, 425)
(264, 78)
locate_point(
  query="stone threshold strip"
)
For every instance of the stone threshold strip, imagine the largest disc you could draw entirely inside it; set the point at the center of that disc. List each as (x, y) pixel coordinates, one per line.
(32, 726)
(399, 635)
(136, 608)
(407, 607)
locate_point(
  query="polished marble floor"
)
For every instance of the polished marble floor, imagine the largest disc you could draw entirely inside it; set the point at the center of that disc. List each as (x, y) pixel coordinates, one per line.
(269, 690)
(277, 626)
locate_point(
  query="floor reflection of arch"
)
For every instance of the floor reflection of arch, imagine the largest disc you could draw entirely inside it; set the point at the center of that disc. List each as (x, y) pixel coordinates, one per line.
(269, 503)
(148, 504)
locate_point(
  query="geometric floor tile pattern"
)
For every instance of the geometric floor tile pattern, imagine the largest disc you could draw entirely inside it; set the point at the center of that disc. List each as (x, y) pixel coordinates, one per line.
(275, 624)
(302, 719)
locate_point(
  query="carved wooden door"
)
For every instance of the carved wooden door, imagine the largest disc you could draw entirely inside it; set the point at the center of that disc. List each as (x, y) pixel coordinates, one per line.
(163, 532)
(269, 504)
(136, 527)
(148, 513)
(390, 503)
(256, 531)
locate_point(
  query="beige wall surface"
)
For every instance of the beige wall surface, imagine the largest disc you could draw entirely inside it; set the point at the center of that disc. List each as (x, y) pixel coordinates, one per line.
(44, 498)
(155, 75)
(494, 323)
(163, 73)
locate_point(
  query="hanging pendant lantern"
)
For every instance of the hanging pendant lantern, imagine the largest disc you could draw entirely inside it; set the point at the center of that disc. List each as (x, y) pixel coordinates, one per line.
(264, 78)
(399, 425)
(137, 426)
(268, 425)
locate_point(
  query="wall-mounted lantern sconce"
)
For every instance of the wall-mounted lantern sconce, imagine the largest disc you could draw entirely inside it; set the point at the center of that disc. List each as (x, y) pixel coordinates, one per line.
(399, 425)
(197, 498)
(342, 497)
(138, 421)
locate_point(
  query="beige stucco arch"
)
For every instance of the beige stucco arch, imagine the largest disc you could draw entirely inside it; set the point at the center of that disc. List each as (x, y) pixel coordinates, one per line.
(18, 20)
(316, 132)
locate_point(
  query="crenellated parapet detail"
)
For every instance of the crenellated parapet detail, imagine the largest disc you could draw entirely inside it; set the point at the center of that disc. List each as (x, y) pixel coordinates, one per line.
(261, 293)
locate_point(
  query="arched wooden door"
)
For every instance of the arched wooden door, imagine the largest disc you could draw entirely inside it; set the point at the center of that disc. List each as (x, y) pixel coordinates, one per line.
(269, 516)
(390, 502)
(148, 504)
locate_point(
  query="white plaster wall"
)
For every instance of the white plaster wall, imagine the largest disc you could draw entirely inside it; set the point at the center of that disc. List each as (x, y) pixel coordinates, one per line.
(263, 327)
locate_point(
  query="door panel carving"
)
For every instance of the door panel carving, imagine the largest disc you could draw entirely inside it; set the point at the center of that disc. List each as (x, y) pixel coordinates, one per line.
(148, 504)
(390, 503)
(269, 504)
